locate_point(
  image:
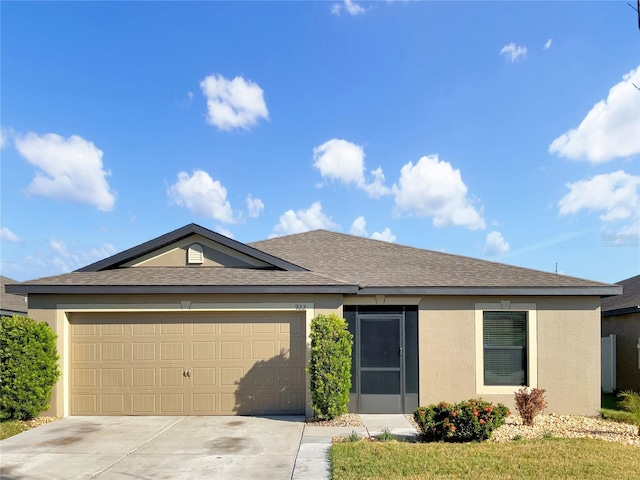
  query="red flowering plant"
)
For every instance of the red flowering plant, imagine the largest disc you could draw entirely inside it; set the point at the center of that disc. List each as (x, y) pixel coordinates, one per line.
(471, 420)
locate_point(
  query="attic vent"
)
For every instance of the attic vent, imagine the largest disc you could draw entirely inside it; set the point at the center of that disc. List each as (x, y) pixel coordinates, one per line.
(195, 255)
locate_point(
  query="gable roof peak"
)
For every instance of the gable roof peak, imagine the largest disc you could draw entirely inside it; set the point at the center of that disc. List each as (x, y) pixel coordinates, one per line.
(119, 259)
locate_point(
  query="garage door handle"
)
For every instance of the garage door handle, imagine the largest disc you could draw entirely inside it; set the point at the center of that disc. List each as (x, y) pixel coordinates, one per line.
(189, 373)
(186, 373)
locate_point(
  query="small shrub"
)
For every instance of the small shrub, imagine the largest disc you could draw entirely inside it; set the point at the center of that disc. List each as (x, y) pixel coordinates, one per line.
(330, 365)
(385, 436)
(547, 435)
(517, 438)
(28, 367)
(471, 420)
(530, 404)
(631, 403)
(353, 437)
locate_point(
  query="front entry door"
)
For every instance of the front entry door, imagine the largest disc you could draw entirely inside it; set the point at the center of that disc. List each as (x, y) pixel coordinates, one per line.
(380, 367)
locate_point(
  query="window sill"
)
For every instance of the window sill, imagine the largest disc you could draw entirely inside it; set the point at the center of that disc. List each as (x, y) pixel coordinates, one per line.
(499, 389)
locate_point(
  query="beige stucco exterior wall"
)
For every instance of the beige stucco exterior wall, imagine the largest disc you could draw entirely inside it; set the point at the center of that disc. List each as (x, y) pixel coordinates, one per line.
(567, 333)
(627, 331)
(215, 255)
(52, 309)
(568, 351)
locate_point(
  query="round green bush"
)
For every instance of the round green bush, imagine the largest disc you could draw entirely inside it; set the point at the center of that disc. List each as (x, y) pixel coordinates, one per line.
(468, 421)
(330, 365)
(28, 367)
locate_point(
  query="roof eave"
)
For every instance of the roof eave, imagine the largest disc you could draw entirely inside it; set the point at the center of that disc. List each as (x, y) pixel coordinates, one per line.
(10, 311)
(180, 289)
(621, 311)
(525, 291)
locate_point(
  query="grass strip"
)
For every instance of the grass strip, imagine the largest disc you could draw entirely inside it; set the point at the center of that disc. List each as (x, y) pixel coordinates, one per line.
(612, 410)
(10, 428)
(552, 458)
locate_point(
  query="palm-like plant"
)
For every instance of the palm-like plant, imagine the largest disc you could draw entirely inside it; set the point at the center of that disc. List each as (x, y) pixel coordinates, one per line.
(631, 403)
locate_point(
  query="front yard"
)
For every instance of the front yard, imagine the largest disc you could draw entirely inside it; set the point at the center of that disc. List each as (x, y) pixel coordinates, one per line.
(547, 458)
(556, 447)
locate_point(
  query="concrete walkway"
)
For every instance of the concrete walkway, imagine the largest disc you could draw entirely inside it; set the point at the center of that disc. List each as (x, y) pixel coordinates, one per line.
(312, 462)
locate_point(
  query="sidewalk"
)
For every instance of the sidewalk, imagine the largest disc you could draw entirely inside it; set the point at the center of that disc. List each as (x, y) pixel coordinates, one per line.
(312, 461)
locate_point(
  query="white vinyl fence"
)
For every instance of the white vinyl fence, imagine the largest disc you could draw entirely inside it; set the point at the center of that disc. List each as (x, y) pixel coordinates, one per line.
(608, 363)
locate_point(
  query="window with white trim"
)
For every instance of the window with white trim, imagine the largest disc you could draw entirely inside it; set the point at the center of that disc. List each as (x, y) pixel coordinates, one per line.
(506, 347)
(504, 340)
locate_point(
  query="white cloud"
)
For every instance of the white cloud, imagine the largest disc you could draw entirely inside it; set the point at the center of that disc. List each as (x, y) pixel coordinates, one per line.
(377, 188)
(187, 100)
(610, 129)
(58, 246)
(513, 52)
(343, 161)
(385, 236)
(340, 160)
(359, 227)
(66, 259)
(223, 231)
(5, 138)
(70, 169)
(547, 45)
(495, 245)
(351, 7)
(255, 206)
(630, 233)
(202, 195)
(616, 195)
(236, 103)
(9, 236)
(312, 218)
(433, 188)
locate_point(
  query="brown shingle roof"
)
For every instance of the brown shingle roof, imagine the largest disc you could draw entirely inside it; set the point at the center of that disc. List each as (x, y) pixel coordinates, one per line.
(193, 279)
(630, 297)
(336, 263)
(9, 302)
(373, 263)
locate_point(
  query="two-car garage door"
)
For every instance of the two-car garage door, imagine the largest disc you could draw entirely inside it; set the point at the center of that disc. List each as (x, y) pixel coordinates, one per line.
(187, 363)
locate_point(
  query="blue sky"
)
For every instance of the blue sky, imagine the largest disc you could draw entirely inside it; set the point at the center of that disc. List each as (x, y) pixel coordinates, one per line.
(505, 131)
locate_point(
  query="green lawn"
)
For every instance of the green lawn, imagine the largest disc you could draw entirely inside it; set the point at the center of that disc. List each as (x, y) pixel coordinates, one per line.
(10, 428)
(611, 409)
(552, 458)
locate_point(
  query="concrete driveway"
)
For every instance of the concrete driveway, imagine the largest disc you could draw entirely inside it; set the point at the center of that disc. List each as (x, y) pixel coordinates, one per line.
(155, 448)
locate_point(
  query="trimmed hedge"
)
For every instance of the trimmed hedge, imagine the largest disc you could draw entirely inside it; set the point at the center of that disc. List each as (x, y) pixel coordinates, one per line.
(28, 367)
(330, 365)
(468, 421)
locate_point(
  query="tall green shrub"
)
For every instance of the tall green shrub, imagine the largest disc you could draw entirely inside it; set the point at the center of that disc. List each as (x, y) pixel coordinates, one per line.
(330, 365)
(28, 367)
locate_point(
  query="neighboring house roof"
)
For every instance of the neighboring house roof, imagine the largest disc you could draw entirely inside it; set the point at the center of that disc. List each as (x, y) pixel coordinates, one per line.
(316, 262)
(9, 303)
(628, 302)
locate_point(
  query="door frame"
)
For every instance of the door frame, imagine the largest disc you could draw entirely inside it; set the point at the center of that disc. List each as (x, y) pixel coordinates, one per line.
(376, 403)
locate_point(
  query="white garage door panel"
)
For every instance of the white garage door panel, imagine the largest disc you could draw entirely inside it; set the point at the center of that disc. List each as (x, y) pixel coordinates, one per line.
(187, 364)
